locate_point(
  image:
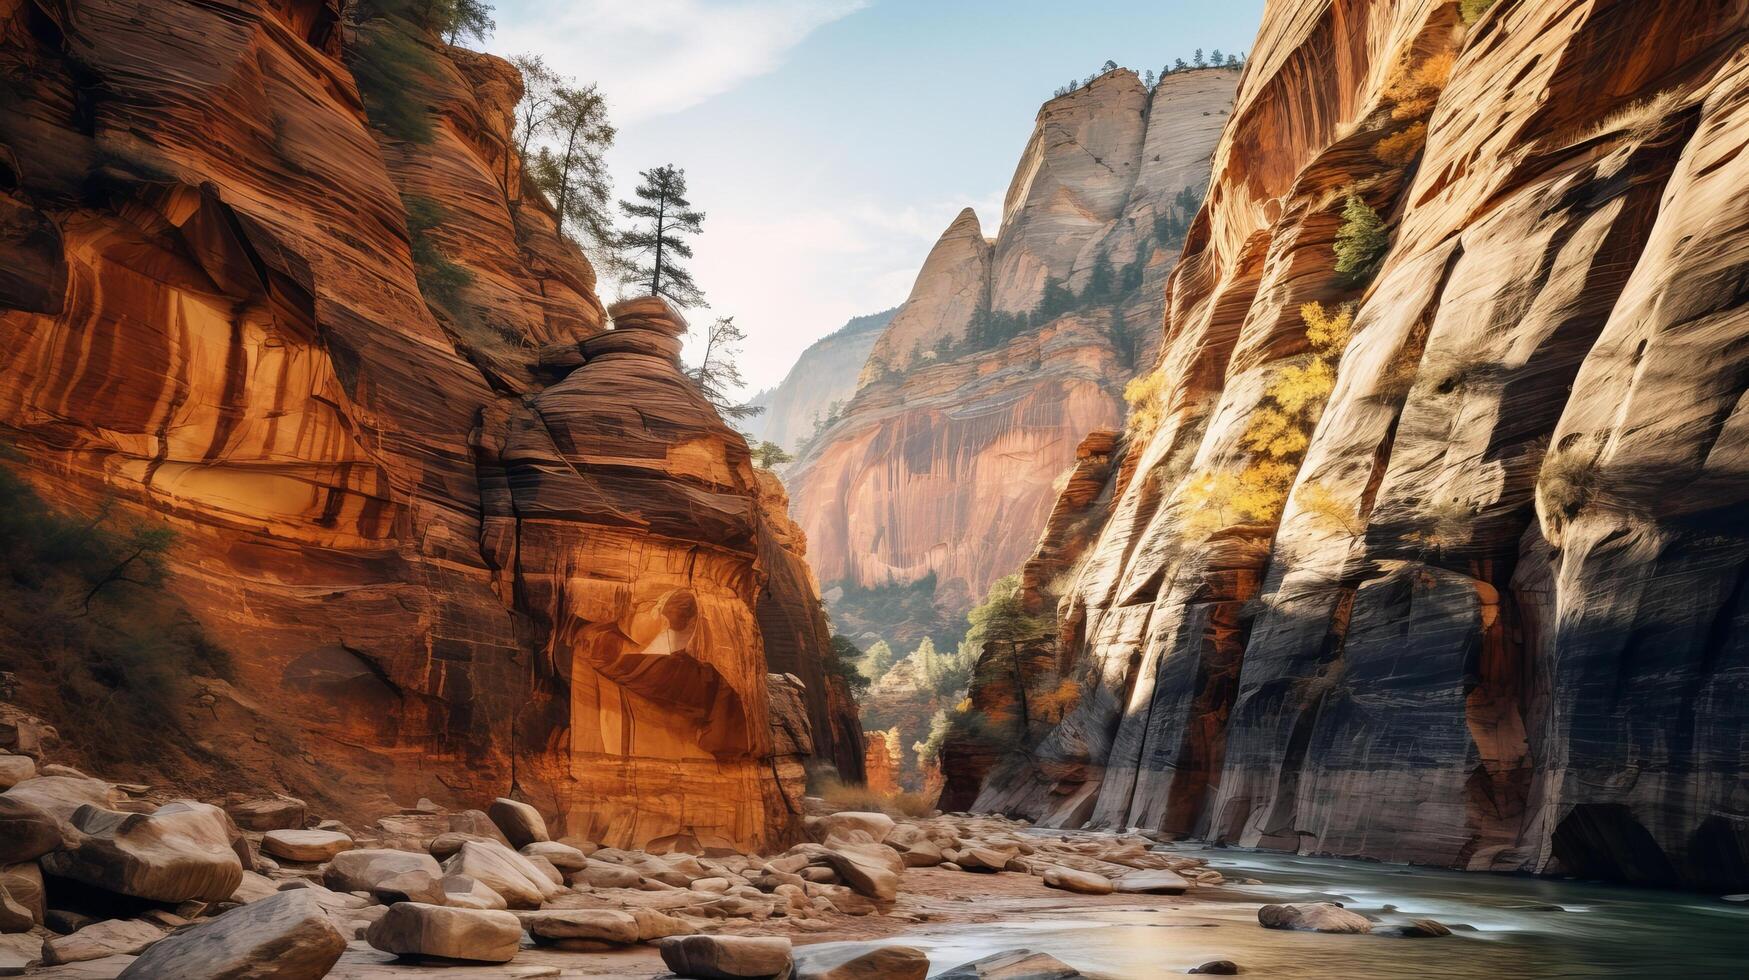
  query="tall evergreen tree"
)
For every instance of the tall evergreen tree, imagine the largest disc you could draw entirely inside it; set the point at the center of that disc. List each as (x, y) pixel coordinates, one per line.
(662, 203)
(572, 172)
(718, 376)
(1197, 58)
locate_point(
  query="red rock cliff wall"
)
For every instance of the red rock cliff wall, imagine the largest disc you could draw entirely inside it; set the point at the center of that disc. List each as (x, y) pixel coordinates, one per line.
(1497, 621)
(944, 462)
(435, 575)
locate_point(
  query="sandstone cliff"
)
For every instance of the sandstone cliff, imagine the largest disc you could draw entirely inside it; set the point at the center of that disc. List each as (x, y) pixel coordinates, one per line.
(437, 570)
(1008, 351)
(1477, 597)
(822, 380)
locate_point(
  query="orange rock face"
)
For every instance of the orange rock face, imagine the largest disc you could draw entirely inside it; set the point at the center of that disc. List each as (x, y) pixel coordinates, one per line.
(946, 459)
(435, 574)
(1482, 621)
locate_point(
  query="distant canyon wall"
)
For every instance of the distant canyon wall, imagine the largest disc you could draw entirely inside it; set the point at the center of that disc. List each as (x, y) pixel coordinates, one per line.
(456, 544)
(1467, 587)
(1008, 350)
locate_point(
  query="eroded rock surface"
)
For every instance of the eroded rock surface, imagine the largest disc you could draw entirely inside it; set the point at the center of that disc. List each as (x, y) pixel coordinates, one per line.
(432, 554)
(1481, 610)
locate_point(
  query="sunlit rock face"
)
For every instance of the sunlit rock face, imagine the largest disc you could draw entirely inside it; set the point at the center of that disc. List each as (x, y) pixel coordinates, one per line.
(946, 459)
(437, 572)
(1496, 619)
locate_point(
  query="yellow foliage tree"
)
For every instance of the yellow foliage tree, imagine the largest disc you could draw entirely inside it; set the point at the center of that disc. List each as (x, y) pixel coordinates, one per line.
(1277, 434)
(1146, 396)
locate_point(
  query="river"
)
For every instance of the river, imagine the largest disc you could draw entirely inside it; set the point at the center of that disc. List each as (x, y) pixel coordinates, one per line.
(1505, 926)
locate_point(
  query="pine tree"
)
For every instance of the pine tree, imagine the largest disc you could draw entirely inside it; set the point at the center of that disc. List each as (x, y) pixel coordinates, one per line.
(1216, 57)
(1109, 65)
(877, 661)
(1197, 58)
(1148, 78)
(663, 203)
(769, 454)
(1232, 61)
(1179, 65)
(459, 20)
(718, 376)
(572, 172)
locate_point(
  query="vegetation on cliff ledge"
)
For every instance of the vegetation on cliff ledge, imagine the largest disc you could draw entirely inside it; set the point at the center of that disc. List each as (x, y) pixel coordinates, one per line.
(86, 595)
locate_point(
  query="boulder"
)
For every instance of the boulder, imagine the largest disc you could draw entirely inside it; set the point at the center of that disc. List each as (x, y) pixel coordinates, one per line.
(180, 852)
(411, 886)
(110, 937)
(726, 957)
(1151, 883)
(860, 961)
(653, 925)
(1315, 917)
(1217, 968)
(27, 832)
(19, 952)
(520, 823)
(412, 929)
(15, 916)
(254, 888)
(360, 870)
(523, 885)
(1081, 882)
(466, 893)
(1415, 929)
(267, 813)
(552, 874)
(923, 854)
(22, 885)
(444, 845)
(1015, 964)
(564, 857)
(869, 874)
(309, 846)
(982, 859)
(600, 874)
(876, 825)
(598, 925)
(15, 769)
(285, 937)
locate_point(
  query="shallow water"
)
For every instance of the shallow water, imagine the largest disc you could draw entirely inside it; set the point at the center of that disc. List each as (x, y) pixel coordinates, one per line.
(1507, 926)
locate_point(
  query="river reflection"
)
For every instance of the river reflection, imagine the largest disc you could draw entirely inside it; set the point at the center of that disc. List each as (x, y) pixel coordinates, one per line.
(1507, 926)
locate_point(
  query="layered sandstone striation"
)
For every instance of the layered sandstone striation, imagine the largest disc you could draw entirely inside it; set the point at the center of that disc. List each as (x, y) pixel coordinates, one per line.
(974, 399)
(437, 570)
(1490, 617)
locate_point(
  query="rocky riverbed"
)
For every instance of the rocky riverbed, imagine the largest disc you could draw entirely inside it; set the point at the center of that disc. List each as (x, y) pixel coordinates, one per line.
(102, 880)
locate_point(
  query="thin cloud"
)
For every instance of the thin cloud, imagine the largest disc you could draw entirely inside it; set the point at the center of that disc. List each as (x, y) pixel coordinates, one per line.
(655, 57)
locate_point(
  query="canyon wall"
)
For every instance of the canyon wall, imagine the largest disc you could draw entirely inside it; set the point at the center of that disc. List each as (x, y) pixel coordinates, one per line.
(819, 384)
(1460, 581)
(369, 389)
(1010, 349)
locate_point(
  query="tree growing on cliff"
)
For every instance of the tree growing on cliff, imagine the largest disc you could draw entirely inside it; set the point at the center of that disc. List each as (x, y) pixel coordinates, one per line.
(1361, 241)
(1001, 627)
(663, 205)
(768, 455)
(572, 172)
(458, 20)
(877, 661)
(718, 372)
(540, 96)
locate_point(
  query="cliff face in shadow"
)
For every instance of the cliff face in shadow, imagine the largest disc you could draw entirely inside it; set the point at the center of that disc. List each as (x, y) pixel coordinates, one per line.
(1460, 580)
(444, 555)
(1009, 349)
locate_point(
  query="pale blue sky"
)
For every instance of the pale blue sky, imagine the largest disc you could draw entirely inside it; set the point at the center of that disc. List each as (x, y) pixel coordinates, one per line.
(830, 141)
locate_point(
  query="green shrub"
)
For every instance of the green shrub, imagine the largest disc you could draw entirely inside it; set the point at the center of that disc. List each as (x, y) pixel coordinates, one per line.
(82, 607)
(441, 280)
(1472, 10)
(392, 66)
(1362, 241)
